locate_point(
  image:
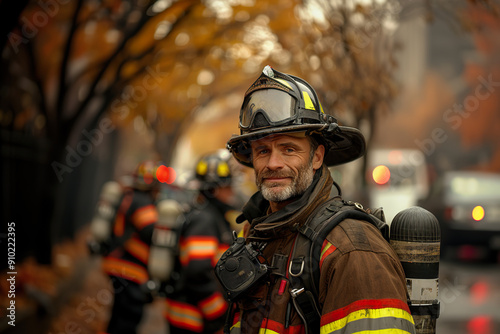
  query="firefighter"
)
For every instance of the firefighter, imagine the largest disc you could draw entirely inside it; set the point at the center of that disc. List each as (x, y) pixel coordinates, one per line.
(197, 305)
(126, 264)
(289, 141)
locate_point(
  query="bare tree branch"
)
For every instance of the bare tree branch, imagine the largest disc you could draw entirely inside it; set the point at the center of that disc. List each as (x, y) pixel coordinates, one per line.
(61, 94)
(42, 106)
(104, 67)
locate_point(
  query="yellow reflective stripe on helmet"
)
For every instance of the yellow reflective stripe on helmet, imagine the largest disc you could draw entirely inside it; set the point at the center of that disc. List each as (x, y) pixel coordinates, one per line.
(284, 82)
(201, 168)
(223, 169)
(308, 103)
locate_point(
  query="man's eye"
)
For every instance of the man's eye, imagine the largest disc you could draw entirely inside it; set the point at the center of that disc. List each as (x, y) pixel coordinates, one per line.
(263, 151)
(289, 150)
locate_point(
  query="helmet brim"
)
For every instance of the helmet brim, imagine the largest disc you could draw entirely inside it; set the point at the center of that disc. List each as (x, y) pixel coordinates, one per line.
(344, 144)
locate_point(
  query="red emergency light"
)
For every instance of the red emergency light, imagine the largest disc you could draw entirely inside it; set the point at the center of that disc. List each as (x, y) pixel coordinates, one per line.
(166, 174)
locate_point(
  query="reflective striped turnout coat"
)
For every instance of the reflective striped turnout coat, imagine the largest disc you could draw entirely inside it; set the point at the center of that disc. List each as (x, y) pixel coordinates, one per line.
(362, 284)
(137, 214)
(197, 305)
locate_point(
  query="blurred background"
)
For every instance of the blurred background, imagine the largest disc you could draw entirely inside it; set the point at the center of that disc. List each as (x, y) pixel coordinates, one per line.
(88, 89)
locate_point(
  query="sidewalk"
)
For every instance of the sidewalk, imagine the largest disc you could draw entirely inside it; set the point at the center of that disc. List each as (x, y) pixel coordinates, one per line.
(70, 296)
(87, 312)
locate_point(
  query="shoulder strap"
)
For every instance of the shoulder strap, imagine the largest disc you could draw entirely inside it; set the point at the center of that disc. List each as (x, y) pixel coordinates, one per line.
(304, 265)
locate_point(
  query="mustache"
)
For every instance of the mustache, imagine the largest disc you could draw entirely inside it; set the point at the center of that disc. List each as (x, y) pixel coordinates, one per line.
(275, 174)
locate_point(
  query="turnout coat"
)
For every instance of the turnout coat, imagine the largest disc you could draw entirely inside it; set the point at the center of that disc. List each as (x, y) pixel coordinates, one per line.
(362, 283)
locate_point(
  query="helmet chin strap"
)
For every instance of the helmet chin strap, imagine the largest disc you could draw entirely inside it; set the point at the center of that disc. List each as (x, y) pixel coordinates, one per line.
(338, 187)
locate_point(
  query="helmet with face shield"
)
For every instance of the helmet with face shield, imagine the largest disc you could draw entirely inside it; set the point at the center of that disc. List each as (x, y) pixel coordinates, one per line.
(278, 103)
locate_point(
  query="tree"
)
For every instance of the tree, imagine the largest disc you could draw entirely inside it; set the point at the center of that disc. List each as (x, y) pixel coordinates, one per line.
(74, 71)
(62, 77)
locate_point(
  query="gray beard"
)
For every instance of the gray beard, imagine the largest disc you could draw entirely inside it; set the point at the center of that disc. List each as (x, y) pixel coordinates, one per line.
(297, 187)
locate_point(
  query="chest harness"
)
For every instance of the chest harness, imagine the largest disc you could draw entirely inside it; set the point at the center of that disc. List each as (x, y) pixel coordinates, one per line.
(242, 266)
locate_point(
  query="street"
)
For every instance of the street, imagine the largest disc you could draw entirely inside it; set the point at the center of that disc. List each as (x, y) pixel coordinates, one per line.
(469, 294)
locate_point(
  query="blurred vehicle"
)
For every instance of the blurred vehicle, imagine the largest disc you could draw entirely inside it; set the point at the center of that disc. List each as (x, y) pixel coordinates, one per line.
(397, 179)
(467, 205)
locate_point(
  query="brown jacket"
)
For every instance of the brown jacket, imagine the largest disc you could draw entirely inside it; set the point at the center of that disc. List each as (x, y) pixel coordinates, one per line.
(362, 284)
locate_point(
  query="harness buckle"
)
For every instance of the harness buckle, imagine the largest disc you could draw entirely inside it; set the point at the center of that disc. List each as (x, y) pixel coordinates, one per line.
(296, 292)
(301, 268)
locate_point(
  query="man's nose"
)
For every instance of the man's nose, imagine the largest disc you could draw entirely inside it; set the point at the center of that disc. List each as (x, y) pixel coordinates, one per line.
(276, 160)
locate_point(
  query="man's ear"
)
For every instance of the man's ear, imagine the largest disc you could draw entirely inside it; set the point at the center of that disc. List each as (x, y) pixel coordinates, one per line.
(318, 156)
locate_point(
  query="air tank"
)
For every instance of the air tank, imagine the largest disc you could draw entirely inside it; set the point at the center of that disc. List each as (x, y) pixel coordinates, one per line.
(415, 236)
(163, 248)
(102, 222)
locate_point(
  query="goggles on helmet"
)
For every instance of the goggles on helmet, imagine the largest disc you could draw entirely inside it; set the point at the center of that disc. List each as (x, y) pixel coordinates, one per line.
(279, 103)
(276, 106)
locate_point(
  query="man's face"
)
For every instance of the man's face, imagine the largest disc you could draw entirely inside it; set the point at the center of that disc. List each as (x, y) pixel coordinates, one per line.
(284, 166)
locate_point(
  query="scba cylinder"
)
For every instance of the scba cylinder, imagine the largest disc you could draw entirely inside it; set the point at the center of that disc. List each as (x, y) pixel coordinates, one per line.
(416, 237)
(165, 235)
(102, 221)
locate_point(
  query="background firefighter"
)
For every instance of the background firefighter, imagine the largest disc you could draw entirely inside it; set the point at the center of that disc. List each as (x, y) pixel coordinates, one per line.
(127, 263)
(197, 305)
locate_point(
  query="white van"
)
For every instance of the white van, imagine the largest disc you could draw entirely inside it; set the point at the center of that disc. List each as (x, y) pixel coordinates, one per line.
(397, 179)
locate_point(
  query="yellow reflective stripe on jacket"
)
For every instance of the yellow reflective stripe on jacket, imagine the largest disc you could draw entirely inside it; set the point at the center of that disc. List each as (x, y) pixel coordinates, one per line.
(236, 328)
(373, 316)
(267, 330)
(270, 326)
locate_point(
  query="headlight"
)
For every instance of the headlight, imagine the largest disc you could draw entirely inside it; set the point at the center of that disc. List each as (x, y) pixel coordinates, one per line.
(478, 213)
(381, 174)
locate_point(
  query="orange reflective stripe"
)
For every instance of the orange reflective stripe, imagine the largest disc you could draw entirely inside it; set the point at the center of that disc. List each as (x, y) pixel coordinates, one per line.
(236, 317)
(326, 249)
(183, 315)
(271, 326)
(119, 227)
(145, 216)
(297, 329)
(213, 306)
(198, 248)
(138, 249)
(127, 270)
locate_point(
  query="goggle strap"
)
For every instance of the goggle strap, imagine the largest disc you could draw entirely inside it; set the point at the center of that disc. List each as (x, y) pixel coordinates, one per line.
(307, 113)
(303, 113)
